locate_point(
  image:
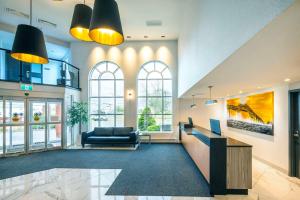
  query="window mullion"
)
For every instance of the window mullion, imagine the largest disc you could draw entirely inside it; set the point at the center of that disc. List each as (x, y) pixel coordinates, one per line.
(115, 106)
(99, 103)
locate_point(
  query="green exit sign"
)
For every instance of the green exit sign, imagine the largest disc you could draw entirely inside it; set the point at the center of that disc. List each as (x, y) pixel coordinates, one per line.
(26, 87)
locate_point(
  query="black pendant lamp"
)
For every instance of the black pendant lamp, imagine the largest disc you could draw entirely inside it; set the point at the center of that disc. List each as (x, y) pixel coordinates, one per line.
(106, 27)
(81, 22)
(29, 44)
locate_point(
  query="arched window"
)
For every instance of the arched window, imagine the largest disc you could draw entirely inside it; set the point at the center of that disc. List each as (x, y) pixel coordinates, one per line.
(155, 98)
(106, 95)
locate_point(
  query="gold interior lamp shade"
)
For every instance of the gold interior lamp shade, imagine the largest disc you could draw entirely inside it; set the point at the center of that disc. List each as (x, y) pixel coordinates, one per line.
(106, 36)
(81, 22)
(29, 45)
(29, 58)
(81, 34)
(106, 27)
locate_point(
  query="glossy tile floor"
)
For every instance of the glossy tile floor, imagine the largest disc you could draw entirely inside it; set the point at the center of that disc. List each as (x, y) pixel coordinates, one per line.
(92, 184)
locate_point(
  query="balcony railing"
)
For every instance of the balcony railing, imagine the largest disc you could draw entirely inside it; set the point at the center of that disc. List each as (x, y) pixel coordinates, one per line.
(56, 72)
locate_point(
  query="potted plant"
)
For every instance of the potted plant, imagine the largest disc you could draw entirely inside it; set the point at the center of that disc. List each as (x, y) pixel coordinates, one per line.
(37, 116)
(78, 114)
(15, 117)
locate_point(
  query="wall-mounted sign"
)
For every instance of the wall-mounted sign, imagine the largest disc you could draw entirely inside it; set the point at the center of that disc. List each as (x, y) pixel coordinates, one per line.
(26, 87)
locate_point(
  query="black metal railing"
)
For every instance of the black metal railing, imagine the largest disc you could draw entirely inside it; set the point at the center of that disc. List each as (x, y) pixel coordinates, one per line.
(56, 72)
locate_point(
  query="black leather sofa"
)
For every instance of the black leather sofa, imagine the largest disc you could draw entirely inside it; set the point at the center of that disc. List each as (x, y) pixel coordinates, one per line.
(124, 135)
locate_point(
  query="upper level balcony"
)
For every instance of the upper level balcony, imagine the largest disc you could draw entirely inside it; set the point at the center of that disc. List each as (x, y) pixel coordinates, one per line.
(55, 73)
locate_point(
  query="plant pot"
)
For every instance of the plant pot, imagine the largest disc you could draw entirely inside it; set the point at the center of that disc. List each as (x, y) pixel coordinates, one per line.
(36, 118)
(15, 119)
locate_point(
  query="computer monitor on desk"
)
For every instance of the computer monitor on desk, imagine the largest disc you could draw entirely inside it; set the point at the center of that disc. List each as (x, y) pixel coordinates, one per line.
(191, 122)
(215, 126)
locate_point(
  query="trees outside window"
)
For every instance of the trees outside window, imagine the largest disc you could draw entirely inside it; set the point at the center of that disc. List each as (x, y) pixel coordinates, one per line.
(155, 104)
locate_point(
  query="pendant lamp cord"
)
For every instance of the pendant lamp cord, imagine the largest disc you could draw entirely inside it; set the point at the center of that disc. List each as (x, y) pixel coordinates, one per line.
(31, 12)
(84, 2)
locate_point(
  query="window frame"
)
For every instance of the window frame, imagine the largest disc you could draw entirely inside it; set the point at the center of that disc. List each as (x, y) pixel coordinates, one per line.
(162, 96)
(99, 96)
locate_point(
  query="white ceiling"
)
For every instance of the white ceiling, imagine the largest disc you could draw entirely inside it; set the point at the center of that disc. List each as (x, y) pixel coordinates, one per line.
(265, 61)
(134, 14)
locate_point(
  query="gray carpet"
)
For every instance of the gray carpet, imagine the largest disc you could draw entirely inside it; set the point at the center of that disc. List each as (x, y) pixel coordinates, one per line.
(152, 170)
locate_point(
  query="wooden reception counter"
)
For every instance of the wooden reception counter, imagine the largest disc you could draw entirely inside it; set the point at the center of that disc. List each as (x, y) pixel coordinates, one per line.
(225, 163)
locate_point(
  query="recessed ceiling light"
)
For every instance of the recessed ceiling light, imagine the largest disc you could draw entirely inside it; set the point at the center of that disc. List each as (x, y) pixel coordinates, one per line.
(241, 92)
(287, 80)
(258, 87)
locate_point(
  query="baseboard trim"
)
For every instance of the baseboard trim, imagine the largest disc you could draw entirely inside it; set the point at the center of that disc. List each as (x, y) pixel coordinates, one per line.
(271, 165)
(162, 141)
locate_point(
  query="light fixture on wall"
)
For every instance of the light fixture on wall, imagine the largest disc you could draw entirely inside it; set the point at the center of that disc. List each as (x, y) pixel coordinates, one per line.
(105, 26)
(210, 101)
(29, 44)
(81, 22)
(130, 94)
(193, 105)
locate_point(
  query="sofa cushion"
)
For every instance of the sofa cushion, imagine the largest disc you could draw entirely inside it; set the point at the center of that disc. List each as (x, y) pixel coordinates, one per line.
(103, 132)
(112, 139)
(122, 131)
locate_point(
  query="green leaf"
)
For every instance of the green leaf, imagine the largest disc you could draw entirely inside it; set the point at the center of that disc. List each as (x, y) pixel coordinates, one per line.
(77, 114)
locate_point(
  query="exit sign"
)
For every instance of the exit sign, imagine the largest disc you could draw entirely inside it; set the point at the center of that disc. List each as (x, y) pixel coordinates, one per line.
(26, 87)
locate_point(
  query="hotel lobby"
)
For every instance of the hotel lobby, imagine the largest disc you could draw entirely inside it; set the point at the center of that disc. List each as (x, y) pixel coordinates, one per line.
(149, 99)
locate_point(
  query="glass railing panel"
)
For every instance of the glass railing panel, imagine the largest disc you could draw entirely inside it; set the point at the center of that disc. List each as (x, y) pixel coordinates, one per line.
(36, 73)
(72, 76)
(9, 67)
(54, 73)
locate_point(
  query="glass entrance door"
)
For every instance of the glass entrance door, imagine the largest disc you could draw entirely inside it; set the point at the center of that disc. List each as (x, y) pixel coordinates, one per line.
(14, 125)
(37, 125)
(45, 124)
(54, 124)
(28, 125)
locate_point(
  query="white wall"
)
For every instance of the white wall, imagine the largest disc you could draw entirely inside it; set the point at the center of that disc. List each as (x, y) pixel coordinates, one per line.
(130, 56)
(211, 30)
(272, 149)
(71, 95)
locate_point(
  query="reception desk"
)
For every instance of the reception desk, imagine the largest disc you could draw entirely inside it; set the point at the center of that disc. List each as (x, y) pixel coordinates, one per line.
(225, 163)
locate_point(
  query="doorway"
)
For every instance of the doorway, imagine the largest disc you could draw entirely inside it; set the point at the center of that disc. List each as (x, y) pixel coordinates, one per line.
(294, 111)
(30, 124)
